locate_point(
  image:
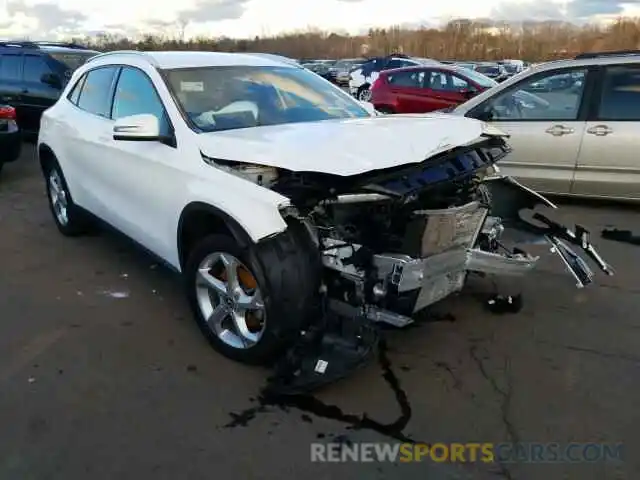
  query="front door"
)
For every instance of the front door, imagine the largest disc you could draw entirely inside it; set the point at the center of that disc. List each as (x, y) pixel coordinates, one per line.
(140, 178)
(546, 129)
(442, 90)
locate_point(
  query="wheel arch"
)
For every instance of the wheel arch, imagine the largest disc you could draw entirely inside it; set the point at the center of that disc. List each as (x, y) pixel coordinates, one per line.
(199, 219)
(46, 157)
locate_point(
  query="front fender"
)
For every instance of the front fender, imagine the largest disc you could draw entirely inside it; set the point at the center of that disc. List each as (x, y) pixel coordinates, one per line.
(254, 208)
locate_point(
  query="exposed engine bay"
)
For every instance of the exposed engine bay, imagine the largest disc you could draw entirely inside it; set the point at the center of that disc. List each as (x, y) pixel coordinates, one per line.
(395, 241)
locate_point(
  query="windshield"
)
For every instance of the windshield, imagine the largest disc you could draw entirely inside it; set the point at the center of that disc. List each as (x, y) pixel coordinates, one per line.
(73, 60)
(478, 78)
(510, 68)
(225, 98)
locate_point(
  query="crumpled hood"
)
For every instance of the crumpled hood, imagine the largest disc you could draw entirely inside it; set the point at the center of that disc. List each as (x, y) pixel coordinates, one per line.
(344, 147)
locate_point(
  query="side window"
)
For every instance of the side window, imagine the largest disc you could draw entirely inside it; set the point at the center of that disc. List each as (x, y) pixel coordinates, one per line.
(74, 95)
(620, 98)
(136, 94)
(11, 67)
(405, 79)
(445, 82)
(34, 68)
(459, 83)
(395, 63)
(94, 97)
(553, 96)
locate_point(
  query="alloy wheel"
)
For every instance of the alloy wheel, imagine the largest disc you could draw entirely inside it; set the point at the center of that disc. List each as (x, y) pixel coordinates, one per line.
(230, 300)
(59, 198)
(364, 95)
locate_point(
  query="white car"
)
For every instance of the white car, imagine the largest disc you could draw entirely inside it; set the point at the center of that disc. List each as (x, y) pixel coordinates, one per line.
(361, 78)
(276, 194)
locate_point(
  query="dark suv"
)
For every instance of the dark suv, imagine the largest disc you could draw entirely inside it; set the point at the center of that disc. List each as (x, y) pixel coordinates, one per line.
(33, 74)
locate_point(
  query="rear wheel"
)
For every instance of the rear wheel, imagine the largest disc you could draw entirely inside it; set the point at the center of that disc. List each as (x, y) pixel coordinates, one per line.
(68, 217)
(250, 303)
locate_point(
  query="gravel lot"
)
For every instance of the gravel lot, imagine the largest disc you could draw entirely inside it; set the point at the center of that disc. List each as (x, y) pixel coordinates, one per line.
(104, 375)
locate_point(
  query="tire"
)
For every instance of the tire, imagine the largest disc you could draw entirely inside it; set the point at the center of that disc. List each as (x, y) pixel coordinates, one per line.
(364, 93)
(386, 110)
(287, 276)
(74, 222)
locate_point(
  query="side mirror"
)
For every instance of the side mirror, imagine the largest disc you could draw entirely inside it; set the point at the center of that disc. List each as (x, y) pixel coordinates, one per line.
(142, 128)
(52, 80)
(368, 106)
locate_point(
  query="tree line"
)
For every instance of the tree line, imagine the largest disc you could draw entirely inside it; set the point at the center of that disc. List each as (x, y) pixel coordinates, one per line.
(460, 40)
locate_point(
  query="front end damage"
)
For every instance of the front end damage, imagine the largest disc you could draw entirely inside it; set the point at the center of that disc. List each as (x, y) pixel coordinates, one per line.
(393, 242)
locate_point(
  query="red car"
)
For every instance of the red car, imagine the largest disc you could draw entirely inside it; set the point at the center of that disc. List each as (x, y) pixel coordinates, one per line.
(425, 89)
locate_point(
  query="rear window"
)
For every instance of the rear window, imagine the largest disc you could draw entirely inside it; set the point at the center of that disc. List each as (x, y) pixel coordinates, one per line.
(72, 60)
(478, 77)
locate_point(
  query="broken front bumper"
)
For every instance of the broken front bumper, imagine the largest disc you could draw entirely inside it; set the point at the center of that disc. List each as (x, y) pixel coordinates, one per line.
(512, 202)
(438, 275)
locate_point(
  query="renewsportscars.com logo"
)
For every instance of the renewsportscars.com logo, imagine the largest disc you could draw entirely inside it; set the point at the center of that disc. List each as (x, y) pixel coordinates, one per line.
(467, 452)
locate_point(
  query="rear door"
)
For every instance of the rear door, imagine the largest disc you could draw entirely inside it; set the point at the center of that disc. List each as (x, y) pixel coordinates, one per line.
(546, 128)
(36, 96)
(405, 87)
(609, 163)
(11, 83)
(87, 127)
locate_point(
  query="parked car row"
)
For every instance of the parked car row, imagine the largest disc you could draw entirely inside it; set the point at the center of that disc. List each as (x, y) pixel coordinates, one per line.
(32, 76)
(572, 123)
(336, 71)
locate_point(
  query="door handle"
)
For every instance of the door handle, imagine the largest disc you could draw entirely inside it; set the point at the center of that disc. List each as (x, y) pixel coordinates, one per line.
(559, 130)
(600, 130)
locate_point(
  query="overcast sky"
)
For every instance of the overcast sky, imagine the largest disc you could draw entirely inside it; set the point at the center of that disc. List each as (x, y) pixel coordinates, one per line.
(40, 19)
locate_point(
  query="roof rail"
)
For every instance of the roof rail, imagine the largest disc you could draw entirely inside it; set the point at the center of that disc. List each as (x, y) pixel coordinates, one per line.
(18, 43)
(613, 53)
(45, 43)
(125, 52)
(38, 44)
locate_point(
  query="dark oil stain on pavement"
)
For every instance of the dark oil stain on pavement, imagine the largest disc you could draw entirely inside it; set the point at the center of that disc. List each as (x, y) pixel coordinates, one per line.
(311, 405)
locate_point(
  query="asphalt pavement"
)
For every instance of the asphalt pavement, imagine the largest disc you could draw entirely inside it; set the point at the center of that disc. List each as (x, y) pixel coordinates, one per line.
(104, 375)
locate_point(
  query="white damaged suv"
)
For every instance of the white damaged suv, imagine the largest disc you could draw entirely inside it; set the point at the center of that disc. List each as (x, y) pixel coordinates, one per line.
(276, 194)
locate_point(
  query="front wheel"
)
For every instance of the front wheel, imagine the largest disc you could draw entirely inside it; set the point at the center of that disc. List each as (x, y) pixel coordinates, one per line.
(250, 303)
(364, 93)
